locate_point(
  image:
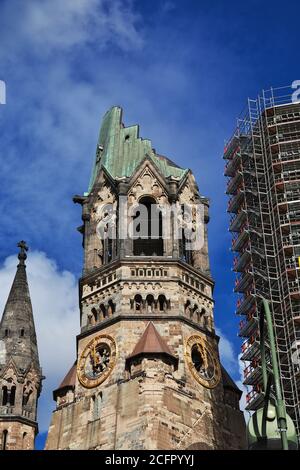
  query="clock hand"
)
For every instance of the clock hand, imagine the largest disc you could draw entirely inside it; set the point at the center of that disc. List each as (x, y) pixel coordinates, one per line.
(94, 357)
(203, 355)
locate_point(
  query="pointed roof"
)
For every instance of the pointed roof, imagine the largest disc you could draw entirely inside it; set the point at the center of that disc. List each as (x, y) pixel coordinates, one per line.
(228, 382)
(17, 329)
(151, 343)
(120, 150)
(70, 378)
(68, 381)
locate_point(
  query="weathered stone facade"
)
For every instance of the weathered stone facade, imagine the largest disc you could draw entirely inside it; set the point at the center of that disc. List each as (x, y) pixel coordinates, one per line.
(148, 374)
(20, 372)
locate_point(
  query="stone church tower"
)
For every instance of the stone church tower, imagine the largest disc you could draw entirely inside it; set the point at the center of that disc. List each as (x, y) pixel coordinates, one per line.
(20, 372)
(148, 374)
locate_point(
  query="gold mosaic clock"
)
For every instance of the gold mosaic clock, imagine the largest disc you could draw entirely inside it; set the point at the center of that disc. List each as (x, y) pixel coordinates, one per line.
(97, 361)
(202, 361)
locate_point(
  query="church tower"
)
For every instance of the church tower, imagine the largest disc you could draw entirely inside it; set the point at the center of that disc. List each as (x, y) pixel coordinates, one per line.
(148, 373)
(20, 372)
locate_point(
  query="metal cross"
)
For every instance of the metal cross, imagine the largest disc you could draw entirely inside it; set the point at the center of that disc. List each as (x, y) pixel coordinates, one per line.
(22, 245)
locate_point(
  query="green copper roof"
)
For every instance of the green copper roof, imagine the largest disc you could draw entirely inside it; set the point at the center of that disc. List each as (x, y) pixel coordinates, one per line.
(120, 150)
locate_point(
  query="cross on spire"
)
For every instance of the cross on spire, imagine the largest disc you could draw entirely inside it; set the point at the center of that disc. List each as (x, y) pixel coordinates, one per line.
(22, 254)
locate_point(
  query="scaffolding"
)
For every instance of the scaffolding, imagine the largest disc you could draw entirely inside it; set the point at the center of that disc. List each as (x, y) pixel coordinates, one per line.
(263, 170)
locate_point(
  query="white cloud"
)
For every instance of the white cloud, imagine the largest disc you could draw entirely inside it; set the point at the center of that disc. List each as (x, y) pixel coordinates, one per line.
(244, 389)
(227, 354)
(51, 26)
(54, 298)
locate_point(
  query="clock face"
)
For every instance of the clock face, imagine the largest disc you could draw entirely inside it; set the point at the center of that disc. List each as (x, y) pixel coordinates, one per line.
(97, 361)
(202, 361)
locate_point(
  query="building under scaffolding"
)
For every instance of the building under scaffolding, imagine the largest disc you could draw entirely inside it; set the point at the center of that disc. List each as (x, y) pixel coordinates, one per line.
(263, 170)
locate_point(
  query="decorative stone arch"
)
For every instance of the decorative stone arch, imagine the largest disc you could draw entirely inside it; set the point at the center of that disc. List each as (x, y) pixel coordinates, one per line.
(195, 312)
(8, 391)
(111, 307)
(150, 303)
(148, 216)
(103, 311)
(162, 303)
(147, 180)
(93, 316)
(28, 392)
(187, 307)
(104, 216)
(138, 303)
(204, 317)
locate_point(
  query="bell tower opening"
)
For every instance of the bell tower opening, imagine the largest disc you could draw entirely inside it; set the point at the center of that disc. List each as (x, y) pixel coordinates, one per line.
(147, 224)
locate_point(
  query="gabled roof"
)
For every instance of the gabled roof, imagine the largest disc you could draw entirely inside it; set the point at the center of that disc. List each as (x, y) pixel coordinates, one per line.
(151, 343)
(120, 150)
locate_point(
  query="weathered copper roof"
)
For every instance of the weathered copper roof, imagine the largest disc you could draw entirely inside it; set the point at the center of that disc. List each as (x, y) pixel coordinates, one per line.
(167, 160)
(228, 382)
(121, 150)
(151, 343)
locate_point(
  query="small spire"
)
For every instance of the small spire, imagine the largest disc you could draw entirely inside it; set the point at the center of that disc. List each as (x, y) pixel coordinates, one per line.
(18, 315)
(151, 343)
(22, 255)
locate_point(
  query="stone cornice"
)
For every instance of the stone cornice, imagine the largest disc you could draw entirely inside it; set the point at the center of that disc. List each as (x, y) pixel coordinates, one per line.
(20, 419)
(130, 317)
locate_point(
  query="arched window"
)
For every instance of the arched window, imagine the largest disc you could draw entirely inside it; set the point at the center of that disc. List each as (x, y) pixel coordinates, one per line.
(109, 247)
(22, 331)
(138, 302)
(150, 303)
(187, 307)
(103, 311)
(184, 253)
(6, 332)
(147, 229)
(92, 407)
(27, 391)
(204, 318)
(94, 317)
(24, 440)
(110, 308)
(95, 406)
(4, 439)
(12, 395)
(194, 313)
(162, 303)
(4, 396)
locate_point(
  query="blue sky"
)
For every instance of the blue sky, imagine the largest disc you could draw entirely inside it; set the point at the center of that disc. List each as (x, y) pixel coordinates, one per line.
(181, 69)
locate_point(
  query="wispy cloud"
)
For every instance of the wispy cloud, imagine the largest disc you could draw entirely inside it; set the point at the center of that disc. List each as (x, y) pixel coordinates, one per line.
(51, 120)
(46, 27)
(228, 357)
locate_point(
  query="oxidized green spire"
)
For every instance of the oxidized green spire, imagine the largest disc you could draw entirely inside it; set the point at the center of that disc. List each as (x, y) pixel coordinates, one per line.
(120, 150)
